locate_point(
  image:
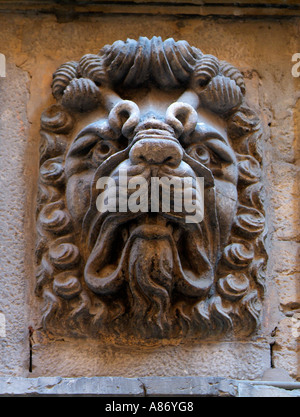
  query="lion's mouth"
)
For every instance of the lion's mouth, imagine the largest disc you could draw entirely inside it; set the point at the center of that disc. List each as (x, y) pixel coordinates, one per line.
(162, 243)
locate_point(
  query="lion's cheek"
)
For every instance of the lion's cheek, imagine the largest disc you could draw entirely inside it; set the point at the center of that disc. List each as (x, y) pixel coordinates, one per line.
(226, 202)
(78, 196)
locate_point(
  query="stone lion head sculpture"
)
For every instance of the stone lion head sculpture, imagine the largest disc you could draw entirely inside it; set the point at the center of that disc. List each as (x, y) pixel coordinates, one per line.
(150, 109)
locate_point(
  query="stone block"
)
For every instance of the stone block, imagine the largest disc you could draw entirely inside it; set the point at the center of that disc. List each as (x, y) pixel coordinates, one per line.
(191, 386)
(264, 391)
(13, 141)
(286, 353)
(288, 290)
(284, 208)
(284, 258)
(57, 386)
(229, 360)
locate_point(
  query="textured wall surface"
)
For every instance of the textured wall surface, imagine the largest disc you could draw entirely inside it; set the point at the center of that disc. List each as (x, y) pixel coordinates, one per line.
(13, 141)
(35, 45)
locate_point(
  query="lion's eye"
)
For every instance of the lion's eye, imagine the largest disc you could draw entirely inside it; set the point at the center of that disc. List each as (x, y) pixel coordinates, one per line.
(103, 149)
(203, 155)
(211, 151)
(199, 153)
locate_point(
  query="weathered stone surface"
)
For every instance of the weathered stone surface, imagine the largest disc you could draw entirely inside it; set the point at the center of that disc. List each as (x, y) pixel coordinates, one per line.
(143, 387)
(116, 263)
(285, 205)
(13, 140)
(277, 374)
(191, 386)
(262, 391)
(155, 7)
(285, 258)
(38, 45)
(286, 351)
(229, 360)
(284, 269)
(288, 290)
(57, 386)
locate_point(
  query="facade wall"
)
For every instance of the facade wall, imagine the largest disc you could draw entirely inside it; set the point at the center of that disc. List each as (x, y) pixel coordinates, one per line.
(35, 46)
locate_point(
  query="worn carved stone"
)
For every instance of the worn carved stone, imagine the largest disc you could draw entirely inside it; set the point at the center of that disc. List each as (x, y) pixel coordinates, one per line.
(144, 110)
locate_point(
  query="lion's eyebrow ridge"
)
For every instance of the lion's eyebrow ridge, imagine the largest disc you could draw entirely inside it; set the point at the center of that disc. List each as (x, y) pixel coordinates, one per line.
(97, 128)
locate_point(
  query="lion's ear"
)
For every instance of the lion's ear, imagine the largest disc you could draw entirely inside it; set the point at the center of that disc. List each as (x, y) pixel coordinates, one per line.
(182, 118)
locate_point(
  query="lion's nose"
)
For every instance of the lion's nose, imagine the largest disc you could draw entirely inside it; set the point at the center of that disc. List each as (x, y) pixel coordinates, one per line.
(157, 152)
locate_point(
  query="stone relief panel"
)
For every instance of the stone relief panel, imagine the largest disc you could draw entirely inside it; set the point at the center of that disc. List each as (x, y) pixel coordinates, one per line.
(143, 110)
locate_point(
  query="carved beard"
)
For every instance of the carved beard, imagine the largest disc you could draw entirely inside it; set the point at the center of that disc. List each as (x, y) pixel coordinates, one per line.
(151, 277)
(158, 258)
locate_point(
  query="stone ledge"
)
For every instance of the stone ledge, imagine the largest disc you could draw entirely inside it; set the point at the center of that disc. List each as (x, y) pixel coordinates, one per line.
(143, 387)
(243, 8)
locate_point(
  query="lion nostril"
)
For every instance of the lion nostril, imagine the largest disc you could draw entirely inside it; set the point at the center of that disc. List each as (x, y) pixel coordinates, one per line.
(168, 159)
(157, 152)
(172, 161)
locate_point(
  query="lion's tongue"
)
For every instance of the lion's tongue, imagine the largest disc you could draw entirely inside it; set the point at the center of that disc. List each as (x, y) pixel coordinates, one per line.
(101, 276)
(150, 244)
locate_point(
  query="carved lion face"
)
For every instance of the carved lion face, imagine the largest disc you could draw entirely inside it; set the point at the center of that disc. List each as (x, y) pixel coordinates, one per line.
(148, 272)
